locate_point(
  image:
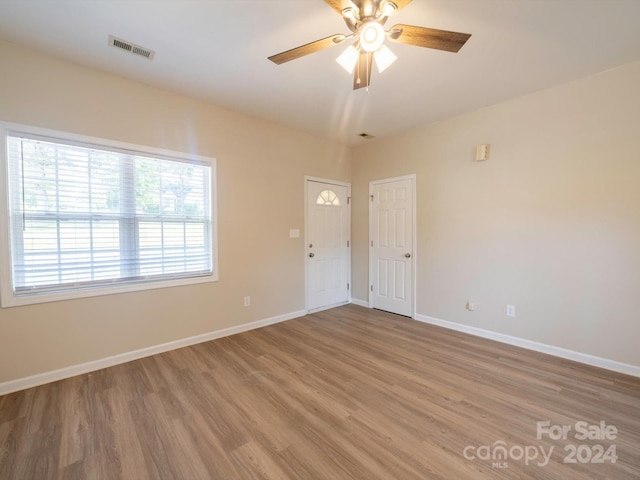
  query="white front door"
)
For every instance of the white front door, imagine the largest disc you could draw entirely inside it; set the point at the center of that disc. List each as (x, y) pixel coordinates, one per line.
(392, 257)
(328, 244)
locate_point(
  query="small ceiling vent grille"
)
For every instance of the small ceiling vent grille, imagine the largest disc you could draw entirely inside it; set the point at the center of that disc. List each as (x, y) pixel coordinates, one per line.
(131, 47)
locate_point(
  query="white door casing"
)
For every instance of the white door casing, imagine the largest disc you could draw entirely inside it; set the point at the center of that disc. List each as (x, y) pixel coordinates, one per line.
(391, 246)
(327, 249)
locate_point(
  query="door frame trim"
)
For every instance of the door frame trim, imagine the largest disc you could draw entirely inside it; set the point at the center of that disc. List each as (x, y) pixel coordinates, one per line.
(308, 179)
(414, 254)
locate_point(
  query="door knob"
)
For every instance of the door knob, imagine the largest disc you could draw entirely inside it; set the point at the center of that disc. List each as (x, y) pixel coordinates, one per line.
(407, 255)
(311, 255)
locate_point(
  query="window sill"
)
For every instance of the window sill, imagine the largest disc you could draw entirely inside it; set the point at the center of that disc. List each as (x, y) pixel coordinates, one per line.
(9, 299)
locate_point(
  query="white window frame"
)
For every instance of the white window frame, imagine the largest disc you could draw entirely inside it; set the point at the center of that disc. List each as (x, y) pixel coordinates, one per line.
(7, 296)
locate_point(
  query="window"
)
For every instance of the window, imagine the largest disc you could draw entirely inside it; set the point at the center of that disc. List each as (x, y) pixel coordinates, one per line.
(328, 198)
(91, 217)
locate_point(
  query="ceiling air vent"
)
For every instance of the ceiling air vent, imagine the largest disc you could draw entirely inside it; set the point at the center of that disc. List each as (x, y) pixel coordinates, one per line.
(131, 47)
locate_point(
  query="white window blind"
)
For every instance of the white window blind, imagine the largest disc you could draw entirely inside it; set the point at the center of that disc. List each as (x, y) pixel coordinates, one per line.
(84, 216)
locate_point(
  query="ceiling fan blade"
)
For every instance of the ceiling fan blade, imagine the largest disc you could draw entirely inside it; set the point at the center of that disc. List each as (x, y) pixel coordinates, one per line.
(428, 37)
(362, 72)
(340, 5)
(303, 50)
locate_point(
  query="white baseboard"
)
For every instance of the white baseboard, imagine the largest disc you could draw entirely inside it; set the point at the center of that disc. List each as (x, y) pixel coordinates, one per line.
(326, 307)
(592, 360)
(362, 303)
(55, 375)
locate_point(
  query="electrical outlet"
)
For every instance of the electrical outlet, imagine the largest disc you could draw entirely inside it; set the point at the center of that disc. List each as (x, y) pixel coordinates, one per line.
(247, 301)
(510, 310)
(471, 306)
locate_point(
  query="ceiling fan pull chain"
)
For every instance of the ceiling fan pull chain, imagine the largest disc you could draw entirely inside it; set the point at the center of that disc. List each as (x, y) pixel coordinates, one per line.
(368, 75)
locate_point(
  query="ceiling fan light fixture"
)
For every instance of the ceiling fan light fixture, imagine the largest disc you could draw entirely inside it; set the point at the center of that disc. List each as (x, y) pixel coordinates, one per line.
(349, 58)
(350, 14)
(384, 57)
(371, 36)
(388, 9)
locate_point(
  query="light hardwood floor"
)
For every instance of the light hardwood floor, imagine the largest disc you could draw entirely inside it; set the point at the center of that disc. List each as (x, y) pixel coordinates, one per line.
(348, 393)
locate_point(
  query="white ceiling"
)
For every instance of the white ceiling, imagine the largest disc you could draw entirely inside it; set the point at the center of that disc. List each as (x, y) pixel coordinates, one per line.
(217, 50)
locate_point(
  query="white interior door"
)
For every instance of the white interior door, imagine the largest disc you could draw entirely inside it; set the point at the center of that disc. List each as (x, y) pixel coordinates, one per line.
(391, 249)
(328, 245)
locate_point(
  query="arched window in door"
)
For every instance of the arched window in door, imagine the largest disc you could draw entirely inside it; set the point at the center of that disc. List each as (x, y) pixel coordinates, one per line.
(328, 198)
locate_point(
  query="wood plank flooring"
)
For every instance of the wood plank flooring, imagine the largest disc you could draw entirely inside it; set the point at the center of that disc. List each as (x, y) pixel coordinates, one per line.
(348, 393)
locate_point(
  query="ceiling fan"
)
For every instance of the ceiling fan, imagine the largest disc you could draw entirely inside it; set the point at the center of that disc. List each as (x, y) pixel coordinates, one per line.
(365, 19)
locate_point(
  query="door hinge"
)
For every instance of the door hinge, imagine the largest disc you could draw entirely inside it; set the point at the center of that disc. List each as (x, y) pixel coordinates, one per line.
(372, 288)
(372, 243)
(371, 197)
(348, 200)
(347, 243)
(347, 286)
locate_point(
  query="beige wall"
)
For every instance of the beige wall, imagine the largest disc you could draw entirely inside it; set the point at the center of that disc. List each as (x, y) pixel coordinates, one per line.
(551, 223)
(261, 168)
